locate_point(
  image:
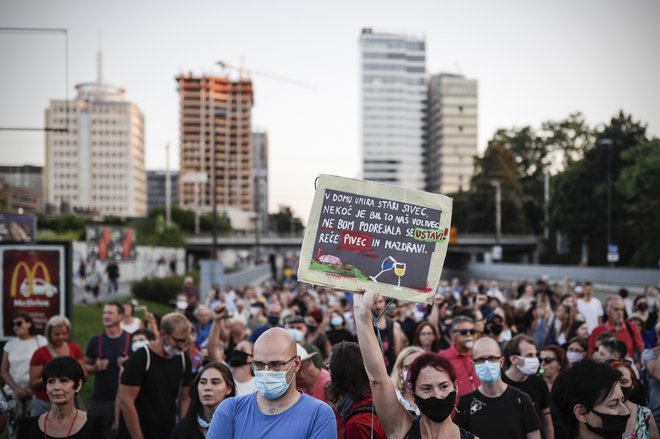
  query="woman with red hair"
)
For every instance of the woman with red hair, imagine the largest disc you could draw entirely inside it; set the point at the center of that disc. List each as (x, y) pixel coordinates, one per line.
(431, 378)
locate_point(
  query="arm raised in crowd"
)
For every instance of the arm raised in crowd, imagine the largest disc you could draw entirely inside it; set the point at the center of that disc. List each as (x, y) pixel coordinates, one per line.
(218, 332)
(393, 417)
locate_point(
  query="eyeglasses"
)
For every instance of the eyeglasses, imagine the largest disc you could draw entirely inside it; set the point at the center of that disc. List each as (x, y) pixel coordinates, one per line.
(273, 365)
(624, 362)
(547, 360)
(465, 332)
(482, 360)
(426, 333)
(17, 323)
(179, 341)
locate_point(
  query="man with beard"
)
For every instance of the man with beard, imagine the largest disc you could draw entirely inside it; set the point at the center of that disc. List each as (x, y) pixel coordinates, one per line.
(459, 354)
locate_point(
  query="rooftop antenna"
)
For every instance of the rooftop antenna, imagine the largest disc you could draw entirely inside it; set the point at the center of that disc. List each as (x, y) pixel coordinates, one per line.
(99, 62)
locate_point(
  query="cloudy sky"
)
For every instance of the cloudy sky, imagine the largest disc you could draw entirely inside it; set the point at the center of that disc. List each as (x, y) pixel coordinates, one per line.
(534, 61)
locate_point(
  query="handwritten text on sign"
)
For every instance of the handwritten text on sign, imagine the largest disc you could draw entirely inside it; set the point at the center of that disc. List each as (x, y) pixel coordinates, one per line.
(372, 238)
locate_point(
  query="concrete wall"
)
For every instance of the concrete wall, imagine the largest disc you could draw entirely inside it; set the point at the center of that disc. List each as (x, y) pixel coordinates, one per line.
(146, 263)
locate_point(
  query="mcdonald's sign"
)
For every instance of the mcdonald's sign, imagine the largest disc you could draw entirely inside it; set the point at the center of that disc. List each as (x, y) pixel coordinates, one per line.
(35, 279)
(31, 285)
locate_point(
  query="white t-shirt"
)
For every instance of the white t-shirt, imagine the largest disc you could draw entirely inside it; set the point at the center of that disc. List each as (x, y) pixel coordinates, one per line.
(19, 353)
(245, 388)
(590, 310)
(134, 326)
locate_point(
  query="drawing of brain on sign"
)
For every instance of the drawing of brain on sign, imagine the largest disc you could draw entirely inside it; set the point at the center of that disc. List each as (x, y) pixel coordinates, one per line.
(369, 235)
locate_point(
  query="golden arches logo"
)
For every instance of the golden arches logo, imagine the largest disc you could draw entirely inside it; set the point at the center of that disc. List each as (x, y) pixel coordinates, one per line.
(30, 274)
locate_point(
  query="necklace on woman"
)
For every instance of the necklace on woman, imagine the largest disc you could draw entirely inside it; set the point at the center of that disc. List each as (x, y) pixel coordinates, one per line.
(70, 426)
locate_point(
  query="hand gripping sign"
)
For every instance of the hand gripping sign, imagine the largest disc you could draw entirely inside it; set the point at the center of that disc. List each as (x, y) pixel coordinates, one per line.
(369, 235)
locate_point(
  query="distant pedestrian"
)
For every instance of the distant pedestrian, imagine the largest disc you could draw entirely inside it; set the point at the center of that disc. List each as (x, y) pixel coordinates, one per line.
(112, 270)
(93, 284)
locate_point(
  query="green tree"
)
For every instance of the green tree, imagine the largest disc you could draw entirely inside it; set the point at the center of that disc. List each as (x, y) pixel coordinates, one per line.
(579, 205)
(639, 185)
(284, 221)
(498, 163)
(155, 232)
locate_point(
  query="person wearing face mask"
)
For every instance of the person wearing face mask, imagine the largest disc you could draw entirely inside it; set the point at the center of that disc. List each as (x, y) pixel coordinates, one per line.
(431, 379)
(155, 381)
(495, 327)
(338, 332)
(239, 361)
(522, 358)
(273, 320)
(277, 407)
(576, 350)
(295, 324)
(496, 410)
(212, 385)
(589, 401)
(641, 423)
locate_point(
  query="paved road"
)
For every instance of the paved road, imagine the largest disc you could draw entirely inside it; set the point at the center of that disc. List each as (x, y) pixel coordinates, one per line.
(124, 292)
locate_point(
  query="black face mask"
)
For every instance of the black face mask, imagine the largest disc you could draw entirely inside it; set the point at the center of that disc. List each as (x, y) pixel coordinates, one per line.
(496, 328)
(434, 408)
(273, 320)
(238, 358)
(627, 391)
(310, 328)
(613, 425)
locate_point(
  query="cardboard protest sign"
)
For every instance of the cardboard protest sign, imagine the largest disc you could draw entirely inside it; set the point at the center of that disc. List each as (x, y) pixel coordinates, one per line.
(368, 235)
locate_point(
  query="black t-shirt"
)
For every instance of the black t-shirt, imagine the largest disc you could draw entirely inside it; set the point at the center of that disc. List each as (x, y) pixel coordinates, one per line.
(535, 388)
(28, 428)
(107, 381)
(159, 390)
(511, 415)
(336, 336)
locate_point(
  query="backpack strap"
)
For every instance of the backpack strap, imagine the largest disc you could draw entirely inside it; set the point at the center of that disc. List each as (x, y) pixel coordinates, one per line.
(146, 368)
(364, 408)
(127, 339)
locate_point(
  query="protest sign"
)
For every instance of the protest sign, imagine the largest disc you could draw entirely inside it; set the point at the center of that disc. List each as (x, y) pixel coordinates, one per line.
(368, 235)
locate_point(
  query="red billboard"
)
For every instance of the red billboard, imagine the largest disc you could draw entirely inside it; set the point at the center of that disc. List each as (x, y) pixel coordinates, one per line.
(35, 279)
(111, 243)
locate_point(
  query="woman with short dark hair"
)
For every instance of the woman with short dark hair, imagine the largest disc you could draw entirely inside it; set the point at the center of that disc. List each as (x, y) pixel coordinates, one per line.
(349, 390)
(212, 385)
(64, 378)
(590, 402)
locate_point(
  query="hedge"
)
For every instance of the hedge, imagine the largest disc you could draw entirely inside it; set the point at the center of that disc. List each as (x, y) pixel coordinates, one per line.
(159, 289)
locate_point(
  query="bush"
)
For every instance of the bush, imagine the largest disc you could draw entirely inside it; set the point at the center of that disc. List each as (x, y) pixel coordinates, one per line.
(162, 290)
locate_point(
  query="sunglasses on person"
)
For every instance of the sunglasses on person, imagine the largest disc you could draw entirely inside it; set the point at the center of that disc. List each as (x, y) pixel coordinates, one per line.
(624, 362)
(547, 360)
(465, 332)
(17, 323)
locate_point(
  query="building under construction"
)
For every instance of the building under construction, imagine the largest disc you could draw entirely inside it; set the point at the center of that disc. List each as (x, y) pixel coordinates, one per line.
(216, 146)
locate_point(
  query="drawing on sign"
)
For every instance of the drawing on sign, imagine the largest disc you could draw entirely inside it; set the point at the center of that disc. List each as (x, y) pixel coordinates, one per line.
(399, 271)
(387, 265)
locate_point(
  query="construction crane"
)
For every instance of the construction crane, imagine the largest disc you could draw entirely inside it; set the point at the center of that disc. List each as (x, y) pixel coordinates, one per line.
(245, 74)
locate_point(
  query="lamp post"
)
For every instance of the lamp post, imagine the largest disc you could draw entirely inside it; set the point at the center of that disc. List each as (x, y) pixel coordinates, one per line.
(498, 217)
(610, 255)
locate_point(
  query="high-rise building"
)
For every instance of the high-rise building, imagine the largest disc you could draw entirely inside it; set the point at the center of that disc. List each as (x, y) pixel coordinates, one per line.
(157, 188)
(452, 132)
(97, 165)
(260, 144)
(393, 68)
(216, 145)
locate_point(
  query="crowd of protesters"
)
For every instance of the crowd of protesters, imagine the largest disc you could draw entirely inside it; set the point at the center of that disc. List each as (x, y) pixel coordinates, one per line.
(485, 360)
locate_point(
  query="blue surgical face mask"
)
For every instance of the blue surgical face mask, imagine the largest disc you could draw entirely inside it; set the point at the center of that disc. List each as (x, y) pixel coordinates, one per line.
(272, 384)
(296, 333)
(488, 372)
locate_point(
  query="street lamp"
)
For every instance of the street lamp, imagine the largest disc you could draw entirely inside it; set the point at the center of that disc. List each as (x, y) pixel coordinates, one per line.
(612, 251)
(498, 217)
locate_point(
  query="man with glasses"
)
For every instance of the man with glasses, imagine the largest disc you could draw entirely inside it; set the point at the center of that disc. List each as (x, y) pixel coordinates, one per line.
(459, 354)
(277, 409)
(495, 410)
(523, 363)
(154, 378)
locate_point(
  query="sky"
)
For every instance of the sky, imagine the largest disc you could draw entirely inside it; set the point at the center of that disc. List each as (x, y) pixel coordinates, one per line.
(535, 61)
